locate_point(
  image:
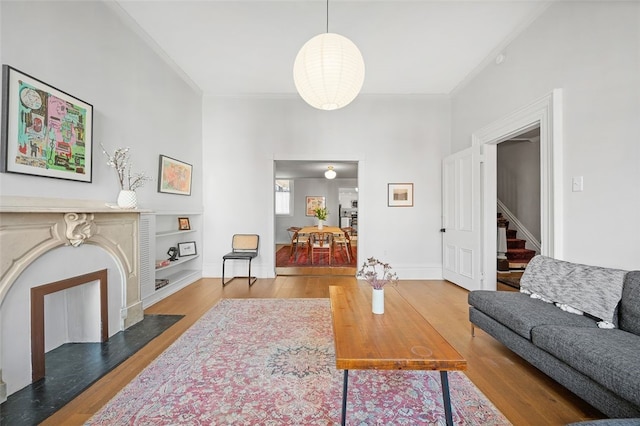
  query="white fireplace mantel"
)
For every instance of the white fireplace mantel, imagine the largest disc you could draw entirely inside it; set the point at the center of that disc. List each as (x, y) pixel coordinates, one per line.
(31, 227)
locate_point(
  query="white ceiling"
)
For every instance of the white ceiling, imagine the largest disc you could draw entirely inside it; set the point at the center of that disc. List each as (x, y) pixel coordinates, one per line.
(245, 47)
(291, 169)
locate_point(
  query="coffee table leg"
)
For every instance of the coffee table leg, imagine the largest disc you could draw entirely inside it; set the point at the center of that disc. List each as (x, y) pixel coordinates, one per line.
(446, 398)
(344, 397)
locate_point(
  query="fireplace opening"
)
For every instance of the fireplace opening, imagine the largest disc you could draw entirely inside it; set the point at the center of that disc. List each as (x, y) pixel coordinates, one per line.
(80, 291)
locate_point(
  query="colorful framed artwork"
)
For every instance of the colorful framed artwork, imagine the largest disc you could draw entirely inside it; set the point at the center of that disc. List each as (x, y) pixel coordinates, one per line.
(313, 203)
(183, 224)
(174, 176)
(400, 194)
(45, 131)
(187, 249)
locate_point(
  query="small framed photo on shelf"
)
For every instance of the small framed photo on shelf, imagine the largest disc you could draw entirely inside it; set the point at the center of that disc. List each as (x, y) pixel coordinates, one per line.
(187, 249)
(400, 195)
(183, 224)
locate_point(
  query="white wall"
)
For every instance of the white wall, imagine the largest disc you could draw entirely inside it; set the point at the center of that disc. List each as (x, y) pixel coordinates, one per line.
(592, 51)
(86, 50)
(395, 139)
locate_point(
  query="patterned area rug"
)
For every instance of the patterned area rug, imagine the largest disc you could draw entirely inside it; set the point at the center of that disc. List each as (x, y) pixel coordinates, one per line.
(284, 260)
(271, 362)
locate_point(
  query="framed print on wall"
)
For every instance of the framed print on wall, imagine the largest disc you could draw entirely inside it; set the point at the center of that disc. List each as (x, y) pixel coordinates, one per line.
(400, 195)
(174, 176)
(45, 131)
(313, 203)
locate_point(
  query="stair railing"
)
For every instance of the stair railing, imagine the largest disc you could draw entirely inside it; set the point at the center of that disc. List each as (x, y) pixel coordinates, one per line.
(523, 232)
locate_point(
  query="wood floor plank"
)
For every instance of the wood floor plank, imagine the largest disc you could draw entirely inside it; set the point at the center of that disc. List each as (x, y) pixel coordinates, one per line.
(521, 392)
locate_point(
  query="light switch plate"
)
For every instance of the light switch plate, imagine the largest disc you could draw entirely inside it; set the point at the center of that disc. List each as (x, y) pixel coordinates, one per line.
(577, 184)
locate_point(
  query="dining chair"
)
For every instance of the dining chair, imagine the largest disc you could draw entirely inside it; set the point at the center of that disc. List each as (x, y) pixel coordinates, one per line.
(298, 241)
(320, 242)
(343, 241)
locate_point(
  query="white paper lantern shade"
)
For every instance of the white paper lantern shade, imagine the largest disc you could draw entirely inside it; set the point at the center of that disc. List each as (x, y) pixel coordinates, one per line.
(328, 71)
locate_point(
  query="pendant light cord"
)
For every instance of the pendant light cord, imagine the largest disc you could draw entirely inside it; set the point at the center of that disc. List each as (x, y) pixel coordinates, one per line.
(327, 16)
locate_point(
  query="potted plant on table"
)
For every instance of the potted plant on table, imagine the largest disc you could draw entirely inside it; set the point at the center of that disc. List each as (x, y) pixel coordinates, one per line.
(321, 213)
(378, 274)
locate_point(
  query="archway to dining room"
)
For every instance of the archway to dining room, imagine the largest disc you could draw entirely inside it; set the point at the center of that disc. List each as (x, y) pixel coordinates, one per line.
(300, 186)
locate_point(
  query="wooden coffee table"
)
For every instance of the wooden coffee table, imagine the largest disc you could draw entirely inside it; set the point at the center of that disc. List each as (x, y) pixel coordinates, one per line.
(399, 339)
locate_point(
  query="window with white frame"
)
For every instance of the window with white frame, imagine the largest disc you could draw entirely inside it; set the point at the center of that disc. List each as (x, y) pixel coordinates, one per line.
(284, 189)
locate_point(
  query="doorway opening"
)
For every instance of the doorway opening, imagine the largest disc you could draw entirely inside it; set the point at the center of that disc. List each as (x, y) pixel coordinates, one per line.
(307, 187)
(518, 206)
(544, 116)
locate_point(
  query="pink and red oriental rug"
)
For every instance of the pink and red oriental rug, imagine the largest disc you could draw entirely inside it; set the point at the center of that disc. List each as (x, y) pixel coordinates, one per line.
(271, 362)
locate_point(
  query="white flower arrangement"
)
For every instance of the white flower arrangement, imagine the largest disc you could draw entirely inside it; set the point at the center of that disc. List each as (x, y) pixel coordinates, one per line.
(121, 161)
(370, 270)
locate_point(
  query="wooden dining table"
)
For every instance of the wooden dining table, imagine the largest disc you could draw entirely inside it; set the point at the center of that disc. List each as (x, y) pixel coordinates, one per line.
(311, 229)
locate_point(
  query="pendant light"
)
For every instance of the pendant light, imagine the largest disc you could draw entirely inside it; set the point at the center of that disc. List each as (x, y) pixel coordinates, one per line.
(329, 70)
(330, 173)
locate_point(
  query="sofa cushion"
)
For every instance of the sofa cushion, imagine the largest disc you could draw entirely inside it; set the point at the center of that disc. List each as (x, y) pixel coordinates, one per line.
(521, 313)
(610, 357)
(629, 308)
(591, 289)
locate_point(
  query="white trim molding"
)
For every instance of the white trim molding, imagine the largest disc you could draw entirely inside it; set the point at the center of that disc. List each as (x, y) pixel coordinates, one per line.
(545, 113)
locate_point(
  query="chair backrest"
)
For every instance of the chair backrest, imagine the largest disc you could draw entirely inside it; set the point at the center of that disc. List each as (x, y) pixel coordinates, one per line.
(321, 239)
(245, 242)
(293, 233)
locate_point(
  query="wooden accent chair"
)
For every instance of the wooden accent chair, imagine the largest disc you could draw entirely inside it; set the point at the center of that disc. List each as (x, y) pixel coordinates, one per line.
(320, 242)
(343, 242)
(297, 240)
(244, 247)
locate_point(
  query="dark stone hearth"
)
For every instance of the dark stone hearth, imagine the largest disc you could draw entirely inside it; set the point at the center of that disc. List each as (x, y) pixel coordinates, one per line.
(73, 367)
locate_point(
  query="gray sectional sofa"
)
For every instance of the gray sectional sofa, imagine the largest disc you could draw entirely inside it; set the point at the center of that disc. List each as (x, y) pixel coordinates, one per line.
(600, 365)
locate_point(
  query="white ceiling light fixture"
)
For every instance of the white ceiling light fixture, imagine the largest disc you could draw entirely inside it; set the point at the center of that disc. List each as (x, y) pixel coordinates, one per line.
(330, 174)
(328, 71)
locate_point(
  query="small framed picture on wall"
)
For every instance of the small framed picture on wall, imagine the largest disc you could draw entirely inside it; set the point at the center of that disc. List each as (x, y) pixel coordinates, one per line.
(400, 195)
(314, 203)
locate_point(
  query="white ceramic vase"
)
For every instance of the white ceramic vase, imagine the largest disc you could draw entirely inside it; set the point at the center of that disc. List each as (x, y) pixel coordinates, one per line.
(377, 301)
(320, 224)
(127, 199)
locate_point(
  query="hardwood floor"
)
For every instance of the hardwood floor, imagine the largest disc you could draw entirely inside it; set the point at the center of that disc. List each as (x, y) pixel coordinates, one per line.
(521, 392)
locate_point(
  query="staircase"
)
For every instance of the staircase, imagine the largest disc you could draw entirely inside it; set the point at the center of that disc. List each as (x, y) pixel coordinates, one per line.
(517, 255)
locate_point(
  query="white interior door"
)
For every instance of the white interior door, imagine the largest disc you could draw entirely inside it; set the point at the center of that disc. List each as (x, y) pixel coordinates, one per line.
(461, 218)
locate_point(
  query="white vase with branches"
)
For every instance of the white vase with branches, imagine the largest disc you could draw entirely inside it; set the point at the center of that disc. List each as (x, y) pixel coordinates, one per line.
(378, 274)
(129, 182)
